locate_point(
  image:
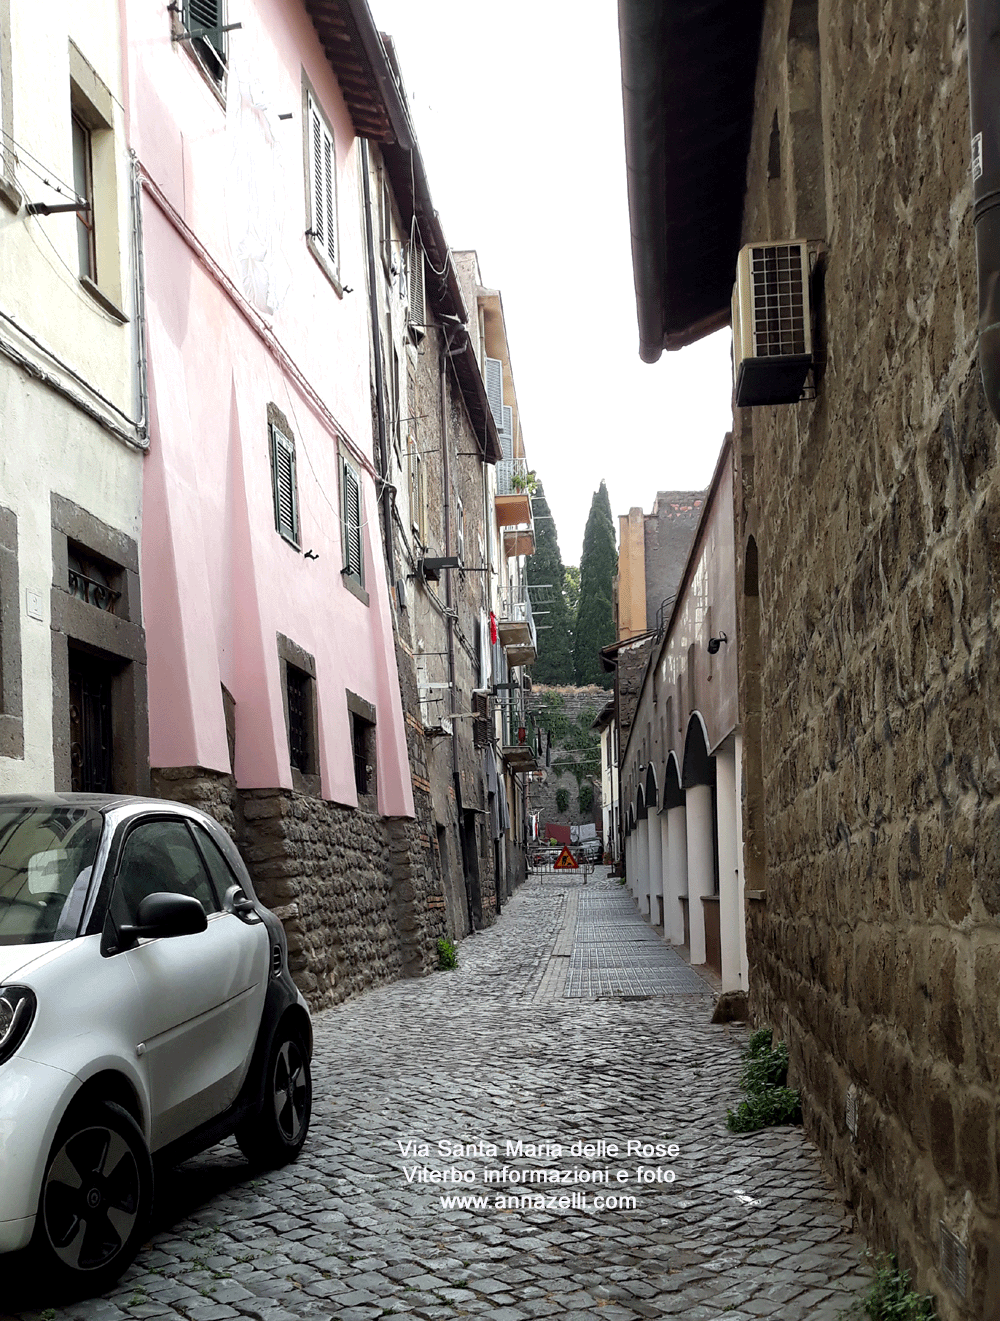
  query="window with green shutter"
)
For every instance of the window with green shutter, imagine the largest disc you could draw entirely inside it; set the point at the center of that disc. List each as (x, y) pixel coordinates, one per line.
(322, 180)
(351, 523)
(286, 505)
(205, 20)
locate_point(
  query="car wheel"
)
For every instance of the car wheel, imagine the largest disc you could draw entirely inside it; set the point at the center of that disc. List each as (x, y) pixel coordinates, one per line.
(276, 1133)
(97, 1193)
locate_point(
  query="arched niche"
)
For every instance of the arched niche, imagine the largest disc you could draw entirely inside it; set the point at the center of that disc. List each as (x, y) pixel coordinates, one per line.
(699, 764)
(673, 794)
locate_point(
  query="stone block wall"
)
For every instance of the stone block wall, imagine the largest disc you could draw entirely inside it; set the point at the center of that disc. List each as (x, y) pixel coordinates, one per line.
(875, 514)
(358, 894)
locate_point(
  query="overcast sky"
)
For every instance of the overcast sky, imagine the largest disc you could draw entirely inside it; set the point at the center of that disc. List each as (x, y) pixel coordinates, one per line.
(518, 110)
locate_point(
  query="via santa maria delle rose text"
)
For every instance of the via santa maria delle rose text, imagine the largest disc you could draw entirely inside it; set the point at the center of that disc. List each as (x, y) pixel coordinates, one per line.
(515, 1174)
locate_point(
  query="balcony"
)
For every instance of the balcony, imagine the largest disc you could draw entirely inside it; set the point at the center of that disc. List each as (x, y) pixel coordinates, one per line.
(519, 738)
(513, 499)
(519, 540)
(516, 627)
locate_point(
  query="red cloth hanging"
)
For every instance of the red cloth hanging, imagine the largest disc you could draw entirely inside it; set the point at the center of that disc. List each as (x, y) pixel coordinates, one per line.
(493, 627)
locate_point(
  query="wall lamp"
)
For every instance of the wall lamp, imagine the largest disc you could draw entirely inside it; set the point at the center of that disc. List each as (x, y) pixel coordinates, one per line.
(715, 643)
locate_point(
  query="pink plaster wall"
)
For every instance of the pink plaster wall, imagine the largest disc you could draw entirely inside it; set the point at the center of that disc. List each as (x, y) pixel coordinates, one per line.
(218, 581)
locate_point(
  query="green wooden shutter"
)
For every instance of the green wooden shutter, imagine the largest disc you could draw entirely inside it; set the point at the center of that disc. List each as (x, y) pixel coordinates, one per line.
(286, 513)
(354, 563)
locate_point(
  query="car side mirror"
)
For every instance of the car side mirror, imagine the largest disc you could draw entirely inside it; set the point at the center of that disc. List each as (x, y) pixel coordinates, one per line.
(166, 914)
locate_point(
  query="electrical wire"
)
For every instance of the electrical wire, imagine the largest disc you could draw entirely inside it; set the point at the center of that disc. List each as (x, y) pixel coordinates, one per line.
(59, 187)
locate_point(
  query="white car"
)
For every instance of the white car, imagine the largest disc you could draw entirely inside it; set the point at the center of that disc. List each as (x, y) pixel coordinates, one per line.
(146, 1011)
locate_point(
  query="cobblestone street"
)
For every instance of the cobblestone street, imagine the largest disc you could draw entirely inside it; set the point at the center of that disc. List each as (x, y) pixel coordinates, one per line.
(568, 1022)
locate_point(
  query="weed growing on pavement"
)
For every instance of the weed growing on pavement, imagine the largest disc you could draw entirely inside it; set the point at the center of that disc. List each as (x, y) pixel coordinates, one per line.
(768, 1100)
(890, 1297)
(447, 953)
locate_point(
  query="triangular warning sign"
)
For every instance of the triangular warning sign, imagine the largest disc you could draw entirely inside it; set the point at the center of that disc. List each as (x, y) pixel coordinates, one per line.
(566, 861)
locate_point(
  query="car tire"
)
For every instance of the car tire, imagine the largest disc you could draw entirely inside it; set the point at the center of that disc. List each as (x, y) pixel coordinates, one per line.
(96, 1199)
(275, 1134)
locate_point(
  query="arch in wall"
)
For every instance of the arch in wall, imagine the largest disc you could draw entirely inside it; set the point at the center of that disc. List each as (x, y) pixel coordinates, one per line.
(673, 794)
(652, 795)
(751, 583)
(640, 804)
(699, 764)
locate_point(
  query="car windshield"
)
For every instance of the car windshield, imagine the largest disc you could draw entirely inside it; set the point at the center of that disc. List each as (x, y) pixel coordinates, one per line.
(46, 857)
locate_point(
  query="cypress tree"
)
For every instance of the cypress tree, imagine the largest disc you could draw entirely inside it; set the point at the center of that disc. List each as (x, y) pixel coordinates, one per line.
(554, 664)
(595, 625)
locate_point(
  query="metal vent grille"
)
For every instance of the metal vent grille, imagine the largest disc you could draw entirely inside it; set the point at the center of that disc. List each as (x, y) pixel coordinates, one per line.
(779, 311)
(954, 1261)
(276, 961)
(852, 1111)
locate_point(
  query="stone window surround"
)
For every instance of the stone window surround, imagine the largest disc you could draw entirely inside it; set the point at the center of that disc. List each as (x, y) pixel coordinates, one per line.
(119, 638)
(11, 710)
(93, 104)
(364, 710)
(290, 653)
(10, 194)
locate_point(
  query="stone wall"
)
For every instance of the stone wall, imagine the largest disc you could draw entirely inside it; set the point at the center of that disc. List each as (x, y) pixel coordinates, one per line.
(874, 515)
(358, 894)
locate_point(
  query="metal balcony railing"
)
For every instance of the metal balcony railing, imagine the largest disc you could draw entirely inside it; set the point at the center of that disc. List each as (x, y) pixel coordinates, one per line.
(512, 477)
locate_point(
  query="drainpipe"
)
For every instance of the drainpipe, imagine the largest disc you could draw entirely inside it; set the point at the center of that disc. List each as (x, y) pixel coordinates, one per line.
(983, 21)
(456, 775)
(383, 448)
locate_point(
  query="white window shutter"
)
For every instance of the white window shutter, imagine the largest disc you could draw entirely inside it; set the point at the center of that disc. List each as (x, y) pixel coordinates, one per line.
(415, 284)
(323, 167)
(484, 649)
(494, 389)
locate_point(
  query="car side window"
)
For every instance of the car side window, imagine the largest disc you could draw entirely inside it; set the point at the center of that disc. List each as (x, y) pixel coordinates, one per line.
(220, 870)
(161, 856)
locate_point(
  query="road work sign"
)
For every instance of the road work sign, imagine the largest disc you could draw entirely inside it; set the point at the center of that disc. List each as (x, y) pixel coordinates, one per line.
(566, 861)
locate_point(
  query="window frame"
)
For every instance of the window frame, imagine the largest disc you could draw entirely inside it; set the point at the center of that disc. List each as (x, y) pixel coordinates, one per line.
(323, 227)
(292, 657)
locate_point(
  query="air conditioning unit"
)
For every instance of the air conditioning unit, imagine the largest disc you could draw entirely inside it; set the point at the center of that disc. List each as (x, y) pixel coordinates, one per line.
(772, 323)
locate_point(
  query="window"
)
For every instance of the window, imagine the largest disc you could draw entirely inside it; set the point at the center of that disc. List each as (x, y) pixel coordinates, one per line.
(418, 487)
(95, 179)
(350, 514)
(415, 288)
(361, 715)
(286, 504)
(83, 182)
(299, 749)
(160, 857)
(205, 21)
(298, 687)
(321, 176)
(460, 530)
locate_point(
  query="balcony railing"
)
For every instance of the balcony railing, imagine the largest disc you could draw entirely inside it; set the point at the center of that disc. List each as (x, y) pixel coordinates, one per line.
(512, 477)
(516, 627)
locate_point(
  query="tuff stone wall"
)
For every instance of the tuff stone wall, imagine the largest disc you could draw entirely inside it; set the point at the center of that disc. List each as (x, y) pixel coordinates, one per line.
(358, 894)
(875, 513)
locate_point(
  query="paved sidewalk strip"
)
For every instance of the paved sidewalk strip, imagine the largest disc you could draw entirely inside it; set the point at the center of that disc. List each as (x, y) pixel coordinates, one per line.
(419, 1078)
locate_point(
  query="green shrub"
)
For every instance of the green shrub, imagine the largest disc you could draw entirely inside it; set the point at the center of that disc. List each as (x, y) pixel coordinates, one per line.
(764, 1075)
(891, 1298)
(447, 953)
(562, 800)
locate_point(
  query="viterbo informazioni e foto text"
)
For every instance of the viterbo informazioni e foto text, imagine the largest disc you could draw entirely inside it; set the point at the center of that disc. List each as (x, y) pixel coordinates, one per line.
(517, 1174)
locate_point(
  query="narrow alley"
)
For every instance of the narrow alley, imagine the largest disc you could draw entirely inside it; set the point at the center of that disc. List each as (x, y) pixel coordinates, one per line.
(566, 1026)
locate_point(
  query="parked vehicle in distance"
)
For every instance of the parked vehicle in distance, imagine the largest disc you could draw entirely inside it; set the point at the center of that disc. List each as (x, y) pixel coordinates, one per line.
(146, 1011)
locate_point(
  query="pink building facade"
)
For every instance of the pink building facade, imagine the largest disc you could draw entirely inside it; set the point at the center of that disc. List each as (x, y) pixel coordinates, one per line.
(273, 694)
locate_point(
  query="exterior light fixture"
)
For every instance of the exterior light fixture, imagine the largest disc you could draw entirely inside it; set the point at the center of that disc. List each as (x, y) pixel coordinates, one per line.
(715, 643)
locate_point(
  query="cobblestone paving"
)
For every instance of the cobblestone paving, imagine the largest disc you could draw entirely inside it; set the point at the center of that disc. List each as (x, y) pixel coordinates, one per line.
(504, 1049)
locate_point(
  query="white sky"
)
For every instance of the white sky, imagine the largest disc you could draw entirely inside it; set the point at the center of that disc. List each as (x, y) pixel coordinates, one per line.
(518, 111)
